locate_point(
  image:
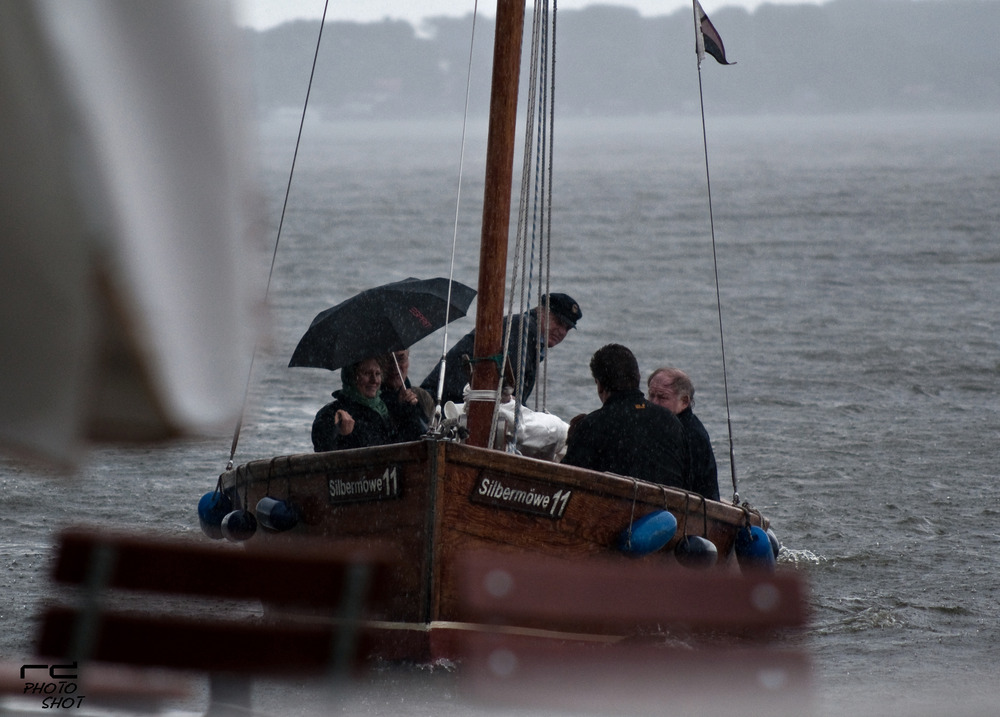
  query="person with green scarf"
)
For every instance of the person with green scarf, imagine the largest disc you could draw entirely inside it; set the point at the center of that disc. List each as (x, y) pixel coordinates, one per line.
(359, 417)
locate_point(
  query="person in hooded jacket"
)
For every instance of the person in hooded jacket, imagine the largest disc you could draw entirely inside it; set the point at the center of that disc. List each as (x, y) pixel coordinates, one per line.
(359, 417)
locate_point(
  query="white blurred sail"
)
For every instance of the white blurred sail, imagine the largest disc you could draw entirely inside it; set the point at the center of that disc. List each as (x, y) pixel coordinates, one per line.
(130, 291)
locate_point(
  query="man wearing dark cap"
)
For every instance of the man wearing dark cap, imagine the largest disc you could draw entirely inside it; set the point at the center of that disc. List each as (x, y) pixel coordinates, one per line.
(544, 326)
(628, 435)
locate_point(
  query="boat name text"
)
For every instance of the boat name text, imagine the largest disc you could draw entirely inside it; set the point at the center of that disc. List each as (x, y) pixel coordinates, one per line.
(364, 488)
(527, 497)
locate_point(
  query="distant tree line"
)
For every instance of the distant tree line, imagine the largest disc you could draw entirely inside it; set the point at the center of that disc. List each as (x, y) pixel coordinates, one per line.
(843, 56)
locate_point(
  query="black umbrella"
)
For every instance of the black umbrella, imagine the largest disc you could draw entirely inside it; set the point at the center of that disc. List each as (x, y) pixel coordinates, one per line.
(387, 318)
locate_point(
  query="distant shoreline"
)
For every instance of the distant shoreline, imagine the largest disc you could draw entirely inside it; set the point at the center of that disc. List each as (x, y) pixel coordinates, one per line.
(611, 61)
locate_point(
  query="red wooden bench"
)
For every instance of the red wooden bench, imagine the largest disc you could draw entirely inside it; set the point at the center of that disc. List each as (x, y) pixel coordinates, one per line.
(195, 605)
(633, 638)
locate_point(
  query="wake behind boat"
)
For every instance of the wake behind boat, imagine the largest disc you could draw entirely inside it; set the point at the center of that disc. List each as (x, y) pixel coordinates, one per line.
(434, 500)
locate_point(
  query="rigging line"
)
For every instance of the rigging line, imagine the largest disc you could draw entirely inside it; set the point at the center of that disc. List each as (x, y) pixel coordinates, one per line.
(541, 177)
(718, 295)
(548, 190)
(520, 259)
(547, 207)
(277, 238)
(508, 324)
(458, 205)
(527, 267)
(536, 127)
(538, 95)
(546, 269)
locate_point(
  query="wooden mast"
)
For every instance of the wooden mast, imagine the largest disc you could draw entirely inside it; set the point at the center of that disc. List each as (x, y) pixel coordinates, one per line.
(496, 212)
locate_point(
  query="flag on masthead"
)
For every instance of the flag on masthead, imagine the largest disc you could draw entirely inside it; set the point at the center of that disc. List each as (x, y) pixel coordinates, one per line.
(707, 37)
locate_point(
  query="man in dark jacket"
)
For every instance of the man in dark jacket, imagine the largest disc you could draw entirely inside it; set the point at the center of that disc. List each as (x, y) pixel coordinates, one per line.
(405, 402)
(562, 316)
(672, 389)
(628, 435)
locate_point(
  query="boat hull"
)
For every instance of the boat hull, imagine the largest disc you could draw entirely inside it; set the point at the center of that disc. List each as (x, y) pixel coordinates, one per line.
(435, 500)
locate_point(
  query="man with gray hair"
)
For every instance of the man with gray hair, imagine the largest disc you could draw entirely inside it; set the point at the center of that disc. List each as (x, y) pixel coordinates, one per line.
(672, 389)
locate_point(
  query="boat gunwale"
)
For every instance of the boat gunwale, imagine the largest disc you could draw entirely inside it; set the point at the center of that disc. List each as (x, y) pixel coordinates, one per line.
(608, 485)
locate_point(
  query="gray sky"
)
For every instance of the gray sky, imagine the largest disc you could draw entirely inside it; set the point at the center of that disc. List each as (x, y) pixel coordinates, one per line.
(262, 14)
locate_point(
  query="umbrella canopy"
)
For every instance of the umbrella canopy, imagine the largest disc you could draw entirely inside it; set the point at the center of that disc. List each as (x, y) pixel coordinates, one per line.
(387, 318)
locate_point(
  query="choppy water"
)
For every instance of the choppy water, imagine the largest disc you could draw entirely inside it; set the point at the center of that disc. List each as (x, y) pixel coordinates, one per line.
(859, 260)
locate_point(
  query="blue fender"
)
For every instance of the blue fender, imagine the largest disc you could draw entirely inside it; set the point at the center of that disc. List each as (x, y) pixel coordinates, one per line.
(212, 508)
(276, 515)
(239, 525)
(775, 543)
(753, 549)
(648, 534)
(694, 551)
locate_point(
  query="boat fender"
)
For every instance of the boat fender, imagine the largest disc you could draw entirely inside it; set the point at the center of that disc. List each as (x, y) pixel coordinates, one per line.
(239, 525)
(753, 549)
(648, 534)
(212, 508)
(276, 515)
(694, 551)
(775, 543)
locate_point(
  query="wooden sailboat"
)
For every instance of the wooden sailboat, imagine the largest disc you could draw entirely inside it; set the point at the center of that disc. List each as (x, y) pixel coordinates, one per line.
(436, 499)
